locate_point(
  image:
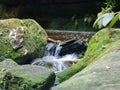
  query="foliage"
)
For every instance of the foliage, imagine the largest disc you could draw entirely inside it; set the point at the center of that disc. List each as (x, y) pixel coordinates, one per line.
(89, 18)
(75, 21)
(107, 17)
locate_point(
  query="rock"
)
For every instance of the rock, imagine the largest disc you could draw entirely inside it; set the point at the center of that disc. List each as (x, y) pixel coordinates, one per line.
(16, 37)
(29, 77)
(73, 46)
(24, 77)
(42, 62)
(101, 44)
(101, 75)
(8, 63)
(21, 40)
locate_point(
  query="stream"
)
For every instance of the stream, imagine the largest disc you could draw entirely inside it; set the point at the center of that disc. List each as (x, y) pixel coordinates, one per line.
(55, 62)
(53, 58)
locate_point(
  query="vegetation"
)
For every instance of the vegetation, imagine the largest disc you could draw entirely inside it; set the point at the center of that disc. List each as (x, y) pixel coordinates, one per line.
(103, 41)
(107, 17)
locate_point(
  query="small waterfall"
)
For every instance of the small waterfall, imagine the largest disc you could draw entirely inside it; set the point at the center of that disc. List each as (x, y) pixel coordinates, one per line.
(52, 59)
(57, 51)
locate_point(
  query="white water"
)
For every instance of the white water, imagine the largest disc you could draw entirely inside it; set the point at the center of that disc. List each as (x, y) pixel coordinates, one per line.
(57, 51)
(55, 62)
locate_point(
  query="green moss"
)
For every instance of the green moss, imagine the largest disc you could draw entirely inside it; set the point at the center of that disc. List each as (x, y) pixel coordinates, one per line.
(28, 78)
(35, 39)
(7, 63)
(100, 44)
(101, 74)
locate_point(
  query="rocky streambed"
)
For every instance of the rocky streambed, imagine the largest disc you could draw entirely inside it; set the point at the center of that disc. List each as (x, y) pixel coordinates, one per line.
(22, 40)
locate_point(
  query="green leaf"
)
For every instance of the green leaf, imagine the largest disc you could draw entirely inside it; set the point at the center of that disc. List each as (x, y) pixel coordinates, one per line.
(100, 23)
(114, 20)
(119, 16)
(97, 21)
(107, 18)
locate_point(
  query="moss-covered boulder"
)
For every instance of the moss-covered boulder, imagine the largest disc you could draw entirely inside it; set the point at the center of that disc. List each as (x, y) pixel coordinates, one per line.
(102, 43)
(101, 75)
(24, 77)
(21, 40)
(7, 63)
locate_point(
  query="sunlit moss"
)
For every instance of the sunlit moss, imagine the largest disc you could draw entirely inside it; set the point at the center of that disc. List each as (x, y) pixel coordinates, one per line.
(100, 44)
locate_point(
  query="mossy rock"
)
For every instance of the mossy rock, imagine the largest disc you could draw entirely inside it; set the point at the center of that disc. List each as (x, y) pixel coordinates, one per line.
(103, 74)
(8, 63)
(21, 40)
(24, 77)
(4, 65)
(103, 42)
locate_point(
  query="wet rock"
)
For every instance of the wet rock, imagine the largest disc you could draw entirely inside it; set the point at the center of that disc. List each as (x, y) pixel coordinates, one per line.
(21, 40)
(56, 64)
(51, 64)
(74, 46)
(41, 62)
(78, 46)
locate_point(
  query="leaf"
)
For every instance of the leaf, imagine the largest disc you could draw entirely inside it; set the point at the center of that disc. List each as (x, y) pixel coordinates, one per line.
(100, 23)
(119, 16)
(97, 21)
(107, 18)
(114, 20)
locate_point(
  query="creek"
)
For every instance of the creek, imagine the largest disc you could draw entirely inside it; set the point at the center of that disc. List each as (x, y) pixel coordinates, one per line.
(55, 62)
(59, 57)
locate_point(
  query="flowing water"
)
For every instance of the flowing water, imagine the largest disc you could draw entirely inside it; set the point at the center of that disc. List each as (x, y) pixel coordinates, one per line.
(51, 58)
(55, 62)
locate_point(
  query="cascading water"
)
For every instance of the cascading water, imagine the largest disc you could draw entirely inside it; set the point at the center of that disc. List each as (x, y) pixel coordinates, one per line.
(57, 51)
(55, 62)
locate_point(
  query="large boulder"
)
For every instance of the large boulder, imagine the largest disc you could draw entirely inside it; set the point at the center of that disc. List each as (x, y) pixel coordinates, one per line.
(24, 77)
(21, 40)
(101, 75)
(102, 65)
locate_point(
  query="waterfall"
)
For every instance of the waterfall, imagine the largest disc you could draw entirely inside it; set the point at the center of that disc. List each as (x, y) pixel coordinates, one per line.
(57, 51)
(52, 60)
